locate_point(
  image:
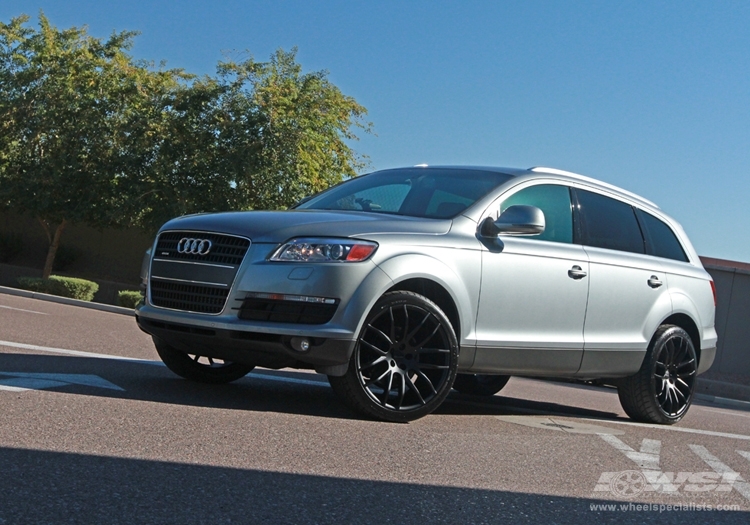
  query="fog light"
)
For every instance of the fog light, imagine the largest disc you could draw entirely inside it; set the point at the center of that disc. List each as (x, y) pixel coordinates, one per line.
(300, 344)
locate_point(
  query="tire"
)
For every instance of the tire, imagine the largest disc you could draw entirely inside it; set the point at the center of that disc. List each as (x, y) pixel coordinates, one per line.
(200, 368)
(662, 390)
(405, 360)
(480, 384)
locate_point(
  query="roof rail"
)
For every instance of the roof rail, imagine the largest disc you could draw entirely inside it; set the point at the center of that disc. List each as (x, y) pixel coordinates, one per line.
(578, 176)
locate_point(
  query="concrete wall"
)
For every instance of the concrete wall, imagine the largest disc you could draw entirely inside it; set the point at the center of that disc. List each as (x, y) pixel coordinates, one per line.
(732, 315)
(109, 254)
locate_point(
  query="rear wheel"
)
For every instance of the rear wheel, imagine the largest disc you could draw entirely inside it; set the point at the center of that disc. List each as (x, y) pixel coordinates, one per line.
(200, 368)
(405, 360)
(480, 384)
(662, 390)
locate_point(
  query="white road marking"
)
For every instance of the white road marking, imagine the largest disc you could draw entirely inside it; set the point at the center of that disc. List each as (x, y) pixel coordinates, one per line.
(647, 460)
(562, 425)
(78, 353)
(23, 310)
(671, 428)
(38, 381)
(740, 485)
(288, 380)
(744, 454)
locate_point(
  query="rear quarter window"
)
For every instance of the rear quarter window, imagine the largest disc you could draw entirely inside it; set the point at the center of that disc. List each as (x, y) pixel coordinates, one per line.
(660, 239)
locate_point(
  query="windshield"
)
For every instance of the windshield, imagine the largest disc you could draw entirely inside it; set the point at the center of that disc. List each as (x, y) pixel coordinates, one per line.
(438, 193)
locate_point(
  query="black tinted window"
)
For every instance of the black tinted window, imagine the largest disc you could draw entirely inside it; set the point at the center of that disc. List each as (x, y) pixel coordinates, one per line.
(609, 223)
(554, 201)
(660, 239)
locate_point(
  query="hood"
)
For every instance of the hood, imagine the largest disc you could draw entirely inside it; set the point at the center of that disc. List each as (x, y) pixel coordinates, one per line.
(279, 226)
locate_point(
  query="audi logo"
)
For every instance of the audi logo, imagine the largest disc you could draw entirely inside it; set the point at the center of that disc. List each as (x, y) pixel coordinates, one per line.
(194, 246)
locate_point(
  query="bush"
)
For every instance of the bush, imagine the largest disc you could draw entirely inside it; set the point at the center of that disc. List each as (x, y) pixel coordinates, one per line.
(11, 246)
(129, 298)
(62, 286)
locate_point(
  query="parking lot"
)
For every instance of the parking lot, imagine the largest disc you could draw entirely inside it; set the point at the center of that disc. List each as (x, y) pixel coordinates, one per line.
(93, 429)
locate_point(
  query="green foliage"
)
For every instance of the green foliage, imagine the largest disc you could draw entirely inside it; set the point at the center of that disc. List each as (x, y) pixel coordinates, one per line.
(11, 246)
(259, 135)
(129, 298)
(62, 286)
(74, 111)
(90, 135)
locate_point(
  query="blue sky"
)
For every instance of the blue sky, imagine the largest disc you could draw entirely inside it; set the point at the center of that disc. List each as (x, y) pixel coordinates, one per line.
(651, 96)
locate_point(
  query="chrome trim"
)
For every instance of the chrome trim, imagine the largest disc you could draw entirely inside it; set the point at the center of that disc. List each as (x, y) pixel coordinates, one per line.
(187, 281)
(193, 262)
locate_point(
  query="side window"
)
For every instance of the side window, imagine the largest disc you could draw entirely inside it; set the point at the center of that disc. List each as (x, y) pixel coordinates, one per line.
(660, 239)
(609, 223)
(554, 201)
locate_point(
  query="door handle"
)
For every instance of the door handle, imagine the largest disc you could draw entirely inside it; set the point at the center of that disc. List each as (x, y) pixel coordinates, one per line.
(576, 273)
(654, 282)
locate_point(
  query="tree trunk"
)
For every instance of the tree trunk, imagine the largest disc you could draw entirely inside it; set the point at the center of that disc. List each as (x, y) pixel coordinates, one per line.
(53, 250)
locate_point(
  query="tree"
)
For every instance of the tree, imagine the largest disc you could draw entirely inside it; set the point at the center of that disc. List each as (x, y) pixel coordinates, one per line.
(259, 135)
(74, 120)
(90, 135)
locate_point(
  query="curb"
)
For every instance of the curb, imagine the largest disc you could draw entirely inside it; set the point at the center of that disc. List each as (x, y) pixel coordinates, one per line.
(66, 300)
(724, 401)
(722, 389)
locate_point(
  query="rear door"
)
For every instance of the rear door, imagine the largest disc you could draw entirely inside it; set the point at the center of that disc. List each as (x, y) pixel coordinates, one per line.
(628, 294)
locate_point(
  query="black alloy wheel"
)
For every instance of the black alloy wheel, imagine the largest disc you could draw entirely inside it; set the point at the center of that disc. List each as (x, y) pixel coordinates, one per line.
(662, 390)
(405, 360)
(200, 368)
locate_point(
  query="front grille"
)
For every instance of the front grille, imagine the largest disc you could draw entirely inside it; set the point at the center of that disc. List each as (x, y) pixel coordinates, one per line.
(225, 249)
(280, 311)
(188, 297)
(193, 282)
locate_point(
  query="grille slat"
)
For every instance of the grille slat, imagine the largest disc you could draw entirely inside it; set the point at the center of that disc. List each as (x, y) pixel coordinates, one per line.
(281, 311)
(225, 249)
(170, 293)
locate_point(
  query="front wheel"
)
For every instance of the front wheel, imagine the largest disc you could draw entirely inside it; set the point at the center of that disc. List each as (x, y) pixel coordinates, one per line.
(405, 360)
(662, 390)
(200, 368)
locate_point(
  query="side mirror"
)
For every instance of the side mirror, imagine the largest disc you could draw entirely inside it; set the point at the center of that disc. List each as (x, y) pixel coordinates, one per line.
(516, 220)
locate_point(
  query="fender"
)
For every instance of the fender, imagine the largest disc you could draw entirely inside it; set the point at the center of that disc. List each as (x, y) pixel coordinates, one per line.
(419, 266)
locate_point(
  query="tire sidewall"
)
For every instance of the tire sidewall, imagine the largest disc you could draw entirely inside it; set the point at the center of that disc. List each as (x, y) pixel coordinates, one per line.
(659, 341)
(389, 300)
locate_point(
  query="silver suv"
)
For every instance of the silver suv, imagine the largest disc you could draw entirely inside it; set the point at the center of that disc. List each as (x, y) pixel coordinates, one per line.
(402, 284)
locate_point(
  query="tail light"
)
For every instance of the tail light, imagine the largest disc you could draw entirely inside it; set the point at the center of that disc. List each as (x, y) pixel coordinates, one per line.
(713, 290)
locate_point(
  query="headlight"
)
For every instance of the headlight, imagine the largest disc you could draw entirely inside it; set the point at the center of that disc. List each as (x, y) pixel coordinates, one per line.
(324, 250)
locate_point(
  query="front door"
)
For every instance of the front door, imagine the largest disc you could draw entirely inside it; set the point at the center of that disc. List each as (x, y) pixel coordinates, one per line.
(534, 291)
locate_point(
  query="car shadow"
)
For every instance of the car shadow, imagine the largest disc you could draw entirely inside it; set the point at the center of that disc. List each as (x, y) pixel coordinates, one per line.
(261, 391)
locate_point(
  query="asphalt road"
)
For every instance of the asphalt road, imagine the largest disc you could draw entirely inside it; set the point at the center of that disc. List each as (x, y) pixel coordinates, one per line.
(94, 430)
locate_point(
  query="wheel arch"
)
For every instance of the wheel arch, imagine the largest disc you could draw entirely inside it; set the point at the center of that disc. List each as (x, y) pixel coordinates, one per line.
(450, 289)
(435, 293)
(685, 322)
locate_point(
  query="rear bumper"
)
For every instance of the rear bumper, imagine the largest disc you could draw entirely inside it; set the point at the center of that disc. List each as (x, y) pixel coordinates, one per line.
(706, 359)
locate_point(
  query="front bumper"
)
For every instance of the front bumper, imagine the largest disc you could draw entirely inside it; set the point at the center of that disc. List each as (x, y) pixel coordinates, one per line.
(253, 348)
(268, 343)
